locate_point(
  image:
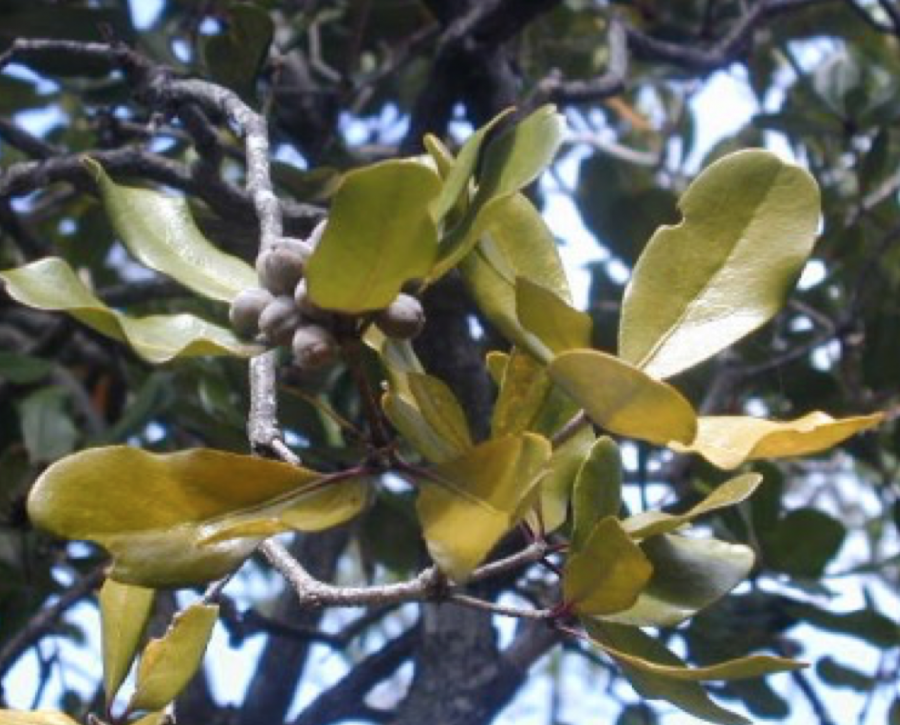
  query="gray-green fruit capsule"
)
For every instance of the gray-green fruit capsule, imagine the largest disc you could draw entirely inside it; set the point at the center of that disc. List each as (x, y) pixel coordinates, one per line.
(281, 266)
(279, 320)
(314, 347)
(404, 318)
(246, 309)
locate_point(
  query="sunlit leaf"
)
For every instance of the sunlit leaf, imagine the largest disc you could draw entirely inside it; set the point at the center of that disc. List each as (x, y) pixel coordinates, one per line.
(607, 573)
(163, 517)
(35, 717)
(688, 575)
(729, 441)
(557, 483)
(749, 225)
(686, 695)
(124, 611)
(159, 231)
(597, 492)
(467, 504)
(623, 399)
(169, 663)
(51, 284)
(651, 523)
(555, 323)
(441, 410)
(380, 235)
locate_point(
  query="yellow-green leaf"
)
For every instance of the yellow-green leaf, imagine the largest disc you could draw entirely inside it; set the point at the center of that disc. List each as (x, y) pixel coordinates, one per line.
(496, 365)
(623, 399)
(554, 322)
(124, 611)
(169, 663)
(159, 231)
(651, 523)
(441, 410)
(379, 236)
(729, 441)
(35, 717)
(686, 695)
(607, 573)
(153, 718)
(749, 226)
(411, 424)
(597, 492)
(688, 575)
(467, 504)
(50, 284)
(163, 517)
(556, 485)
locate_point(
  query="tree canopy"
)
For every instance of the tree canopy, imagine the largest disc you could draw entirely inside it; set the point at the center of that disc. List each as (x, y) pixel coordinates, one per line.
(288, 353)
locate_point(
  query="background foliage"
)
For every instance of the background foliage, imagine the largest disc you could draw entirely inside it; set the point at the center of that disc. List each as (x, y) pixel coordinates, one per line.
(348, 83)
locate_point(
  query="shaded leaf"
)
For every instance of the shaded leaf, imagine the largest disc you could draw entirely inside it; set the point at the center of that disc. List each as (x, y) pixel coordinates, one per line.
(159, 231)
(441, 410)
(21, 369)
(803, 542)
(124, 611)
(551, 320)
(167, 519)
(607, 573)
(411, 424)
(749, 225)
(597, 492)
(652, 523)
(865, 624)
(837, 674)
(688, 575)
(729, 441)
(47, 428)
(235, 57)
(168, 664)
(50, 284)
(379, 236)
(467, 504)
(623, 399)
(556, 485)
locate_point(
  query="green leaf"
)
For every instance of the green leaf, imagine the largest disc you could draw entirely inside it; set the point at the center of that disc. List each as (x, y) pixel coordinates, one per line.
(836, 674)
(159, 231)
(21, 369)
(729, 441)
(551, 320)
(556, 485)
(623, 399)
(514, 242)
(496, 362)
(167, 519)
(749, 225)
(688, 575)
(154, 718)
(685, 695)
(467, 504)
(865, 624)
(169, 663)
(411, 424)
(380, 235)
(652, 523)
(441, 410)
(235, 57)
(35, 717)
(803, 542)
(124, 611)
(607, 573)
(50, 284)
(597, 492)
(47, 428)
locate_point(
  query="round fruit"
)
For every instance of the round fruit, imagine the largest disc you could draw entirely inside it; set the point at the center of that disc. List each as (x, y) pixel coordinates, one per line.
(279, 320)
(281, 266)
(314, 347)
(246, 309)
(404, 318)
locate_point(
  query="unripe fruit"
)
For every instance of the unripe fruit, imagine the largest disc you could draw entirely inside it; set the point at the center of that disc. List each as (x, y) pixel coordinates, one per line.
(281, 266)
(246, 309)
(314, 347)
(279, 320)
(404, 318)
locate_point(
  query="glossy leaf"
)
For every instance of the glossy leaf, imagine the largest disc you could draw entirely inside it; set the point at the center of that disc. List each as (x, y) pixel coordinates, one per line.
(556, 485)
(686, 695)
(35, 717)
(467, 504)
(441, 410)
(652, 523)
(159, 231)
(169, 663)
(380, 235)
(729, 441)
(167, 519)
(623, 399)
(688, 575)
(607, 573)
(749, 225)
(51, 284)
(597, 492)
(555, 323)
(124, 611)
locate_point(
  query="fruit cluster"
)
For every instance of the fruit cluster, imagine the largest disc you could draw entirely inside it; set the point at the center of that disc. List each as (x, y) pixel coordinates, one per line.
(279, 311)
